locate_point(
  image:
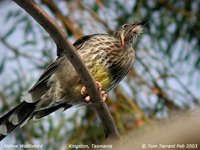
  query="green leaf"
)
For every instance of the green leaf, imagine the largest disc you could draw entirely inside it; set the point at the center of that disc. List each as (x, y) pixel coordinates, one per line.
(2, 64)
(9, 16)
(29, 42)
(9, 33)
(197, 63)
(96, 8)
(21, 20)
(28, 28)
(12, 14)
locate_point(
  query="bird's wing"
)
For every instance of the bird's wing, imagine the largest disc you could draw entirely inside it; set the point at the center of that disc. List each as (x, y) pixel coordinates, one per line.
(52, 67)
(46, 74)
(78, 43)
(40, 87)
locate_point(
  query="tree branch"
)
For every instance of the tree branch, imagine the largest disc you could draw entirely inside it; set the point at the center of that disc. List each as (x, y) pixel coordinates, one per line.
(70, 52)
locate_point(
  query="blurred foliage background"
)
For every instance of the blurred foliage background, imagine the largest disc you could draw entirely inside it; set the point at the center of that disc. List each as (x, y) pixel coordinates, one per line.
(164, 78)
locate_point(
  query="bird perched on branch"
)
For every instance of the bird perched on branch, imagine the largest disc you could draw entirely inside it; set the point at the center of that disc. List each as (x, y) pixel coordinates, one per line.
(108, 59)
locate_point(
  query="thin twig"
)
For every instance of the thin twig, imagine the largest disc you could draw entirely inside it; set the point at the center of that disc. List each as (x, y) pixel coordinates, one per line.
(16, 51)
(63, 45)
(76, 31)
(95, 16)
(170, 74)
(182, 11)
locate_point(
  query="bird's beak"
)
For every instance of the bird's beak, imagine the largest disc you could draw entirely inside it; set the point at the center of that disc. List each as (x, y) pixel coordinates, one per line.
(142, 23)
(122, 36)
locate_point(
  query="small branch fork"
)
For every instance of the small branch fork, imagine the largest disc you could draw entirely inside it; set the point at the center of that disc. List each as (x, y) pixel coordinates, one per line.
(65, 47)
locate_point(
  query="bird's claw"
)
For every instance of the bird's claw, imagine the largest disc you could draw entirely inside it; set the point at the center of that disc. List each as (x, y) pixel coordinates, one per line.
(102, 93)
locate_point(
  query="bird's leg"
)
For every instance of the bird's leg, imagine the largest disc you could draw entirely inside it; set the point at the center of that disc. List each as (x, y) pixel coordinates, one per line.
(102, 93)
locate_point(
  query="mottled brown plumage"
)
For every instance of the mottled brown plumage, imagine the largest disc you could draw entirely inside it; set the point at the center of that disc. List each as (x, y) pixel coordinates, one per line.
(108, 58)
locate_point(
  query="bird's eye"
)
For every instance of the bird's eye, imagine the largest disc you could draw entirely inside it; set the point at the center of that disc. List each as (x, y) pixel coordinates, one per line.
(125, 25)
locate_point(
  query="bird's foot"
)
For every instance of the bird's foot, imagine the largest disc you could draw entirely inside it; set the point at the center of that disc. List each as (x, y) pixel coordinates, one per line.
(102, 93)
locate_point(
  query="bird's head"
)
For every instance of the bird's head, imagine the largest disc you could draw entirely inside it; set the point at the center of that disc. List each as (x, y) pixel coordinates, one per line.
(128, 33)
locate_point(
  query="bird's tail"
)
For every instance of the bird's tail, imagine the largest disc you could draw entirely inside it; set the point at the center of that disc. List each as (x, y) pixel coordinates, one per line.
(15, 118)
(22, 113)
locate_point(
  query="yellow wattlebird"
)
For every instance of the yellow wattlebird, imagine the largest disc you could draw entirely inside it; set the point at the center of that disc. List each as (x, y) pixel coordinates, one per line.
(108, 58)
